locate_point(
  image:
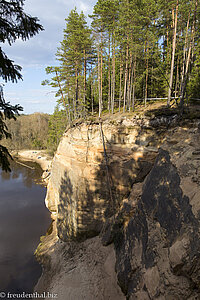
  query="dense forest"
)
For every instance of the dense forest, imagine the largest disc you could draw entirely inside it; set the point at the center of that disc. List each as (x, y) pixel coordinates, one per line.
(132, 52)
(28, 132)
(36, 131)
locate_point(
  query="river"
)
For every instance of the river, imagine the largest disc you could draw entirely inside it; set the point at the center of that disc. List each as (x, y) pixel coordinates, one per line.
(23, 219)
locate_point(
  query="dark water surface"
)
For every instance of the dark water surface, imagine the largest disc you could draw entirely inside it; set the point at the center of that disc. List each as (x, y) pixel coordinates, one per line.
(23, 219)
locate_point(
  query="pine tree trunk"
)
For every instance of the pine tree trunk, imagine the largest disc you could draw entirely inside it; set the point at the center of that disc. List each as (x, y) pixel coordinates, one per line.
(92, 92)
(76, 103)
(147, 74)
(84, 93)
(61, 91)
(151, 84)
(74, 106)
(134, 77)
(101, 72)
(120, 84)
(173, 54)
(188, 59)
(125, 77)
(193, 53)
(113, 75)
(130, 75)
(167, 62)
(167, 46)
(109, 105)
(177, 78)
(99, 83)
(131, 86)
(184, 52)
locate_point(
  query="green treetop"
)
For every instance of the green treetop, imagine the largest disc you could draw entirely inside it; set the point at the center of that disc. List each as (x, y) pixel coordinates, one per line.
(14, 24)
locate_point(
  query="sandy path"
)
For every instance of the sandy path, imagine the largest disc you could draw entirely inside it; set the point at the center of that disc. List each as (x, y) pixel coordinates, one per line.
(38, 156)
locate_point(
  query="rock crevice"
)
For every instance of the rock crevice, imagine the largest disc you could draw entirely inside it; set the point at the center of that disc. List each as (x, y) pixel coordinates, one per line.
(153, 222)
(157, 250)
(79, 191)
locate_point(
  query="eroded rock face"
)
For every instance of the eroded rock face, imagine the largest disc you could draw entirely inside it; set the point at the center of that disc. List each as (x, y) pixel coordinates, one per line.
(81, 192)
(155, 226)
(156, 237)
(84, 270)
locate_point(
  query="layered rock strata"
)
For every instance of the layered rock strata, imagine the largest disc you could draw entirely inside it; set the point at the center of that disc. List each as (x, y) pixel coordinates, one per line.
(156, 238)
(87, 184)
(84, 270)
(153, 221)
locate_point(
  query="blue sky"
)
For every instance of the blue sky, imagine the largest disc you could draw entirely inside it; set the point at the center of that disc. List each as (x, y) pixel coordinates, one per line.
(37, 53)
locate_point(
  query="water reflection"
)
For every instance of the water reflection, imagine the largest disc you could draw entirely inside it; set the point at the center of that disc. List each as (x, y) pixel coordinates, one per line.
(29, 175)
(23, 219)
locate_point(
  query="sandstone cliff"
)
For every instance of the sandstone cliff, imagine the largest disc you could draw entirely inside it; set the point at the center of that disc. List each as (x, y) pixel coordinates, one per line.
(79, 192)
(144, 202)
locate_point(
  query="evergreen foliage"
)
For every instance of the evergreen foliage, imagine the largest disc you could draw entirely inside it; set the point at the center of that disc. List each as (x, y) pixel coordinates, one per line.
(135, 50)
(56, 126)
(14, 24)
(75, 54)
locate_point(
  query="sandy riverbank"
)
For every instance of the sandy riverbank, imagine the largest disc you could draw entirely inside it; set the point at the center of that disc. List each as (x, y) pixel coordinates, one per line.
(38, 156)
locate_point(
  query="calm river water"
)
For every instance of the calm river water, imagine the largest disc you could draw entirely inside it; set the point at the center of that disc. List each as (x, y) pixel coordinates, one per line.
(23, 219)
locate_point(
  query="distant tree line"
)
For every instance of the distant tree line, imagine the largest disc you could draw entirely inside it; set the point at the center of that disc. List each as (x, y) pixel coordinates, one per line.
(15, 24)
(36, 131)
(132, 50)
(28, 132)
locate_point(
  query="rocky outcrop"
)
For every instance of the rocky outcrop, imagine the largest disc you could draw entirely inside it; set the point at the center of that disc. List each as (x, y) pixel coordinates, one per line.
(156, 232)
(144, 202)
(81, 186)
(84, 270)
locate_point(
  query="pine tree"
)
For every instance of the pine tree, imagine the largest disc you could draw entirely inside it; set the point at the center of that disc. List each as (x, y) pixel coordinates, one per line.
(56, 127)
(15, 24)
(74, 55)
(139, 49)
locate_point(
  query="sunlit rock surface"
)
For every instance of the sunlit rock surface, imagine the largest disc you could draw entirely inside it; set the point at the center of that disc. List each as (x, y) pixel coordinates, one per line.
(156, 232)
(79, 193)
(84, 270)
(149, 229)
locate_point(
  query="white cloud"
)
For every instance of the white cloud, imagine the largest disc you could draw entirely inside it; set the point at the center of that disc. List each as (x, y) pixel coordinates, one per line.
(32, 100)
(41, 49)
(38, 52)
(85, 7)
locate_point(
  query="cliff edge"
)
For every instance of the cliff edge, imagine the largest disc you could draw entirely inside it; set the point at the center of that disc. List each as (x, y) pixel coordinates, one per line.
(125, 199)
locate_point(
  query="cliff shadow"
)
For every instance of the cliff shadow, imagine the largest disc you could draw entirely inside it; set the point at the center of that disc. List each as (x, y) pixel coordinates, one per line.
(86, 201)
(116, 177)
(78, 215)
(65, 208)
